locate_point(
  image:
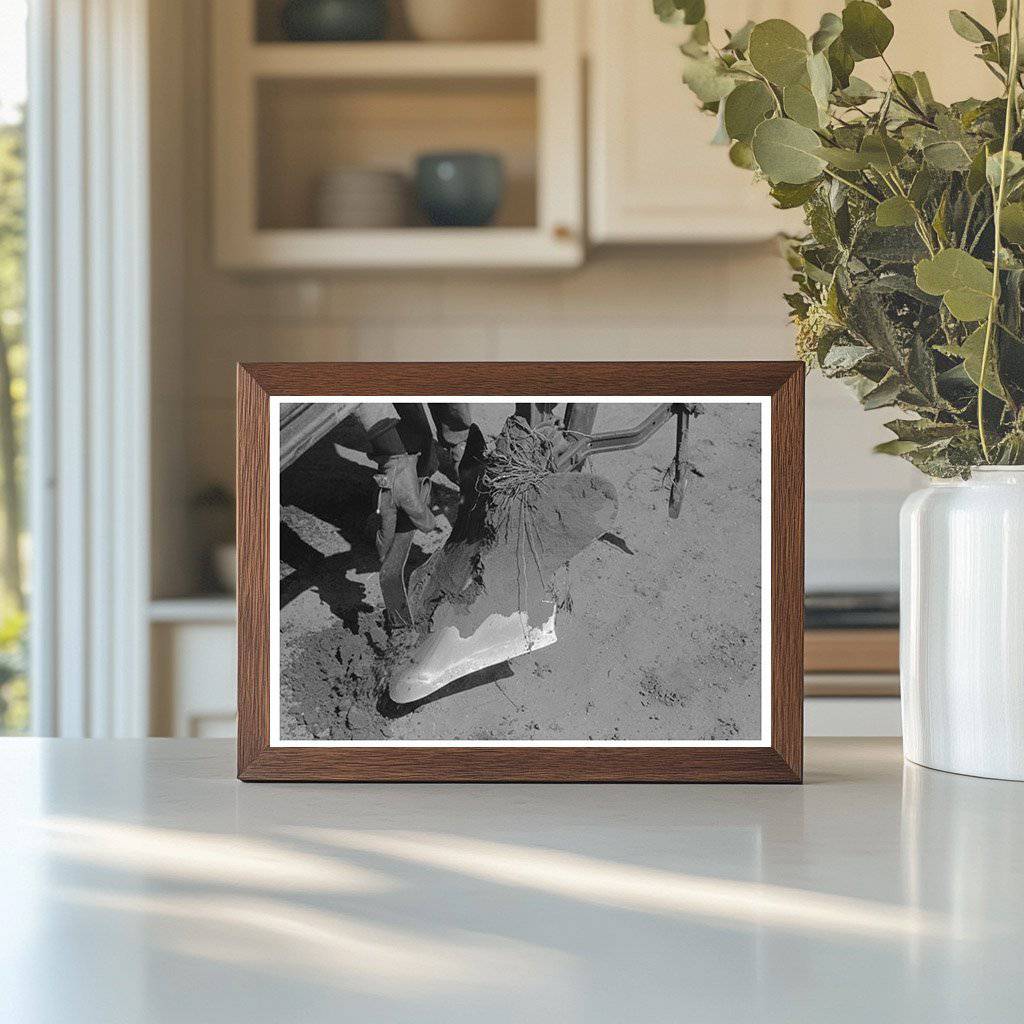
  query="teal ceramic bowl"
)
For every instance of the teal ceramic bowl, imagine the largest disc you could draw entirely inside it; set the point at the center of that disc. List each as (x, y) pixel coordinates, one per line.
(334, 21)
(461, 190)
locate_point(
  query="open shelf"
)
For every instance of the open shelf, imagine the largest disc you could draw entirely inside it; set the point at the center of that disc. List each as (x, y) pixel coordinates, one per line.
(388, 60)
(520, 22)
(309, 127)
(286, 114)
(406, 248)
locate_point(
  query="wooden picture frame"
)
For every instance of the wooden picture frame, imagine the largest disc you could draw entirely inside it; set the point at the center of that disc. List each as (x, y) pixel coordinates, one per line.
(778, 759)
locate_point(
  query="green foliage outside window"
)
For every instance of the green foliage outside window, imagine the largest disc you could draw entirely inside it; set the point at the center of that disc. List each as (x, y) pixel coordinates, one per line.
(13, 412)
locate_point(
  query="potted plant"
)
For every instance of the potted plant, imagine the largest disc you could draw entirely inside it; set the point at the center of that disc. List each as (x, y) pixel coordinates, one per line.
(909, 288)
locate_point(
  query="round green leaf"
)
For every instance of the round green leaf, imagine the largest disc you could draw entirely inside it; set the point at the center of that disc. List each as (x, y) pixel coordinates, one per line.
(707, 79)
(745, 108)
(857, 91)
(896, 447)
(844, 159)
(866, 29)
(721, 136)
(665, 10)
(741, 155)
(976, 173)
(993, 166)
(972, 351)
(740, 39)
(693, 11)
(787, 152)
(963, 281)
(947, 156)
(840, 62)
(788, 197)
(819, 75)
(801, 106)
(779, 51)
(895, 212)
(690, 12)
(905, 85)
(969, 28)
(883, 152)
(1012, 224)
(829, 30)
(924, 87)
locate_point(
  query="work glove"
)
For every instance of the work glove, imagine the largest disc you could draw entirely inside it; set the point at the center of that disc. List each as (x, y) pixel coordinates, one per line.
(402, 490)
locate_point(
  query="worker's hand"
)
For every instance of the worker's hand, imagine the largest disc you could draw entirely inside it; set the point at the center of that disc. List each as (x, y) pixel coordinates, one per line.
(402, 490)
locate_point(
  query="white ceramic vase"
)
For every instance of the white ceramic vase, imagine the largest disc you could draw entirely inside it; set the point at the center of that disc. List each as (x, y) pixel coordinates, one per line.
(962, 624)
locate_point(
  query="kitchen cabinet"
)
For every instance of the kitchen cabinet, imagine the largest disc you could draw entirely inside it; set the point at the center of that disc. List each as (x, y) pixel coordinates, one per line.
(287, 114)
(192, 645)
(654, 177)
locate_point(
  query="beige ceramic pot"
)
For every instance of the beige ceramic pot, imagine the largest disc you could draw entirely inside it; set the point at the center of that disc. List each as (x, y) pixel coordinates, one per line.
(470, 20)
(360, 197)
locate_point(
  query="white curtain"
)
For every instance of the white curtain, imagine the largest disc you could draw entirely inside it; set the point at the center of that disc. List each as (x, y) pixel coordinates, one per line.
(88, 342)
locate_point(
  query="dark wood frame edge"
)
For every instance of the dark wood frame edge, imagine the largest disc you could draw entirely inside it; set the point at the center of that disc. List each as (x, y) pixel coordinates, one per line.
(780, 762)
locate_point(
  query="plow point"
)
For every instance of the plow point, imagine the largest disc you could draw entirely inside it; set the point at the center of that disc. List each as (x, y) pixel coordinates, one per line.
(446, 655)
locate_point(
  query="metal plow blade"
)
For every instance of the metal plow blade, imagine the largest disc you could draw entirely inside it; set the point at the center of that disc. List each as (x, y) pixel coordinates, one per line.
(490, 594)
(446, 655)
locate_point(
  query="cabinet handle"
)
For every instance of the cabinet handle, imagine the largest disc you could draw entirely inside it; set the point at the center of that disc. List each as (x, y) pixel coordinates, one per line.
(562, 232)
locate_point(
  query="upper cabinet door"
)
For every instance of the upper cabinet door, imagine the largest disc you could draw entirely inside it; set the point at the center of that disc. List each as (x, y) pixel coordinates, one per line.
(654, 176)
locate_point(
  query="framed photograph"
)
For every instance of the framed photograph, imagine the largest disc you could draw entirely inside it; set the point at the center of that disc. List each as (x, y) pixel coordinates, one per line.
(520, 571)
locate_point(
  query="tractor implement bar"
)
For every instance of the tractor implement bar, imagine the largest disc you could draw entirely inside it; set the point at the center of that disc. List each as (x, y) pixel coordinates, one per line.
(584, 445)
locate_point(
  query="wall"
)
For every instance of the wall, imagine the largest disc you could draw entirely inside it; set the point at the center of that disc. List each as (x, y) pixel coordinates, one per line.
(652, 303)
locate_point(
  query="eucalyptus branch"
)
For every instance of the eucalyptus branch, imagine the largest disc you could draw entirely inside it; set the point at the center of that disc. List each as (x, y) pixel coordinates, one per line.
(993, 309)
(977, 237)
(909, 100)
(852, 184)
(897, 153)
(771, 90)
(995, 71)
(892, 179)
(1012, 333)
(970, 215)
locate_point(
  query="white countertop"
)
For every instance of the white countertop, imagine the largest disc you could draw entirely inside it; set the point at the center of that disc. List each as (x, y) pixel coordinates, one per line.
(140, 882)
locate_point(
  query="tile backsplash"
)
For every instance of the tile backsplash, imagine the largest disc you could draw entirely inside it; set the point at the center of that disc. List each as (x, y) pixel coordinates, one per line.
(720, 302)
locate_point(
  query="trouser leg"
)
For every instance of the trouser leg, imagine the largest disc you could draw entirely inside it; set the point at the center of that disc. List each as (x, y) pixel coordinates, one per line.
(453, 420)
(399, 429)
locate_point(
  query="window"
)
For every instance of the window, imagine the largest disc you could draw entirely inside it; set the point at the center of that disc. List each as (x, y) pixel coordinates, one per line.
(14, 695)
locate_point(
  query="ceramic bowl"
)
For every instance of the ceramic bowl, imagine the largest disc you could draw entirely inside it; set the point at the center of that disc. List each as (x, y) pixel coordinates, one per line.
(460, 189)
(359, 197)
(470, 20)
(332, 21)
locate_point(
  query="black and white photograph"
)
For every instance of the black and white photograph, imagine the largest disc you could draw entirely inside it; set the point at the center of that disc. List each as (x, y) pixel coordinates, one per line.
(520, 570)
